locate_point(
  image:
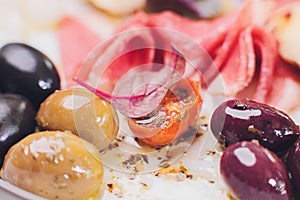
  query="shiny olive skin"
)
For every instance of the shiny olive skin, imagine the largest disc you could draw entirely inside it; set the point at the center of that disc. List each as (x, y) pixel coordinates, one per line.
(56, 165)
(17, 120)
(293, 164)
(81, 112)
(253, 172)
(26, 71)
(243, 120)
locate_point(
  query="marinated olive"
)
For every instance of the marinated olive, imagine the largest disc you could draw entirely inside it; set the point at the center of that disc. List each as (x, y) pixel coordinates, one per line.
(293, 164)
(16, 121)
(253, 172)
(55, 165)
(175, 115)
(243, 120)
(82, 113)
(27, 71)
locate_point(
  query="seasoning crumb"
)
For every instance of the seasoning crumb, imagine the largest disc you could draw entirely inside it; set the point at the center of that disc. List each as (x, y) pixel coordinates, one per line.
(110, 187)
(102, 151)
(189, 176)
(169, 155)
(132, 176)
(110, 147)
(136, 162)
(120, 137)
(145, 158)
(145, 186)
(229, 195)
(115, 144)
(210, 152)
(181, 172)
(211, 181)
(199, 135)
(116, 189)
(164, 163)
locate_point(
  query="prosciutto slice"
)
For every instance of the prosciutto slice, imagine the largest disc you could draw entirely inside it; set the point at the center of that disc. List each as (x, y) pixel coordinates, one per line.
(236, 47)
(285, 90)
(132, 71)
(75, 42)
(244, 53)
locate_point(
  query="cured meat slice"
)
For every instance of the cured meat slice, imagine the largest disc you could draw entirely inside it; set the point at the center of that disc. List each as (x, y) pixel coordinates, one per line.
(75, 42)
(240, 50)
(239, 69)
(261, 65)
(116, 56)
(131, 72)
(285, 90)
(267, 46)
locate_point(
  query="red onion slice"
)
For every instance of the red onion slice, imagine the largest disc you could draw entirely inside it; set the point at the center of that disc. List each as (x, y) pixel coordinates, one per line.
(147, 87)
(138, 78)
(140, 90)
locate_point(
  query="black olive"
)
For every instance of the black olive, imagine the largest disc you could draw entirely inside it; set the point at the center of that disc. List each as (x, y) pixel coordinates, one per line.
(244, 120)
(17, 120)
(253, 172)
(27, 71)
(293, 164)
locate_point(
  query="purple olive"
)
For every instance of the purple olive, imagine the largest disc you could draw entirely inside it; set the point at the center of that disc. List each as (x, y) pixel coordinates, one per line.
(253, 172)
(26, 71)
(244, 120)
(193, 9)
(17, 120)
(174, 5)
(293, 164)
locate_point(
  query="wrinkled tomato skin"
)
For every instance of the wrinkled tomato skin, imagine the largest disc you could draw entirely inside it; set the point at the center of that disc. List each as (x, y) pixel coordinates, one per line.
(176, 114)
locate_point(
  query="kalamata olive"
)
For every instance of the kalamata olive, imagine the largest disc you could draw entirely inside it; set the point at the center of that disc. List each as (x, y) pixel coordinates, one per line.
(293, 164)
(16, 121)
(81, 112)
(55, 165)
(27, 71)
(243, 120)
(253, 172)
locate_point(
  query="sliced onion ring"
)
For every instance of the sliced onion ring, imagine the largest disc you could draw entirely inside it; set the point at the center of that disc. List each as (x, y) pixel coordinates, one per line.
(141, 89)
(134, 70)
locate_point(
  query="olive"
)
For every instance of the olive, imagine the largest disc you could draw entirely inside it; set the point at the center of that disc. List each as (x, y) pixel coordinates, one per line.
(243, 120)
(254, 172)
(16, 121)
(55, 165)
(293, 164)
(26, 71)
(81, 112)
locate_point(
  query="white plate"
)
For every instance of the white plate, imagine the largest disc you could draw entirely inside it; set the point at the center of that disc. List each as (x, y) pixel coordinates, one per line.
(19, 21)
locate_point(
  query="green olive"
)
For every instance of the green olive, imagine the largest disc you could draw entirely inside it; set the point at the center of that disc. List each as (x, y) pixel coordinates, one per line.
(55, 165)
(81, 112)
